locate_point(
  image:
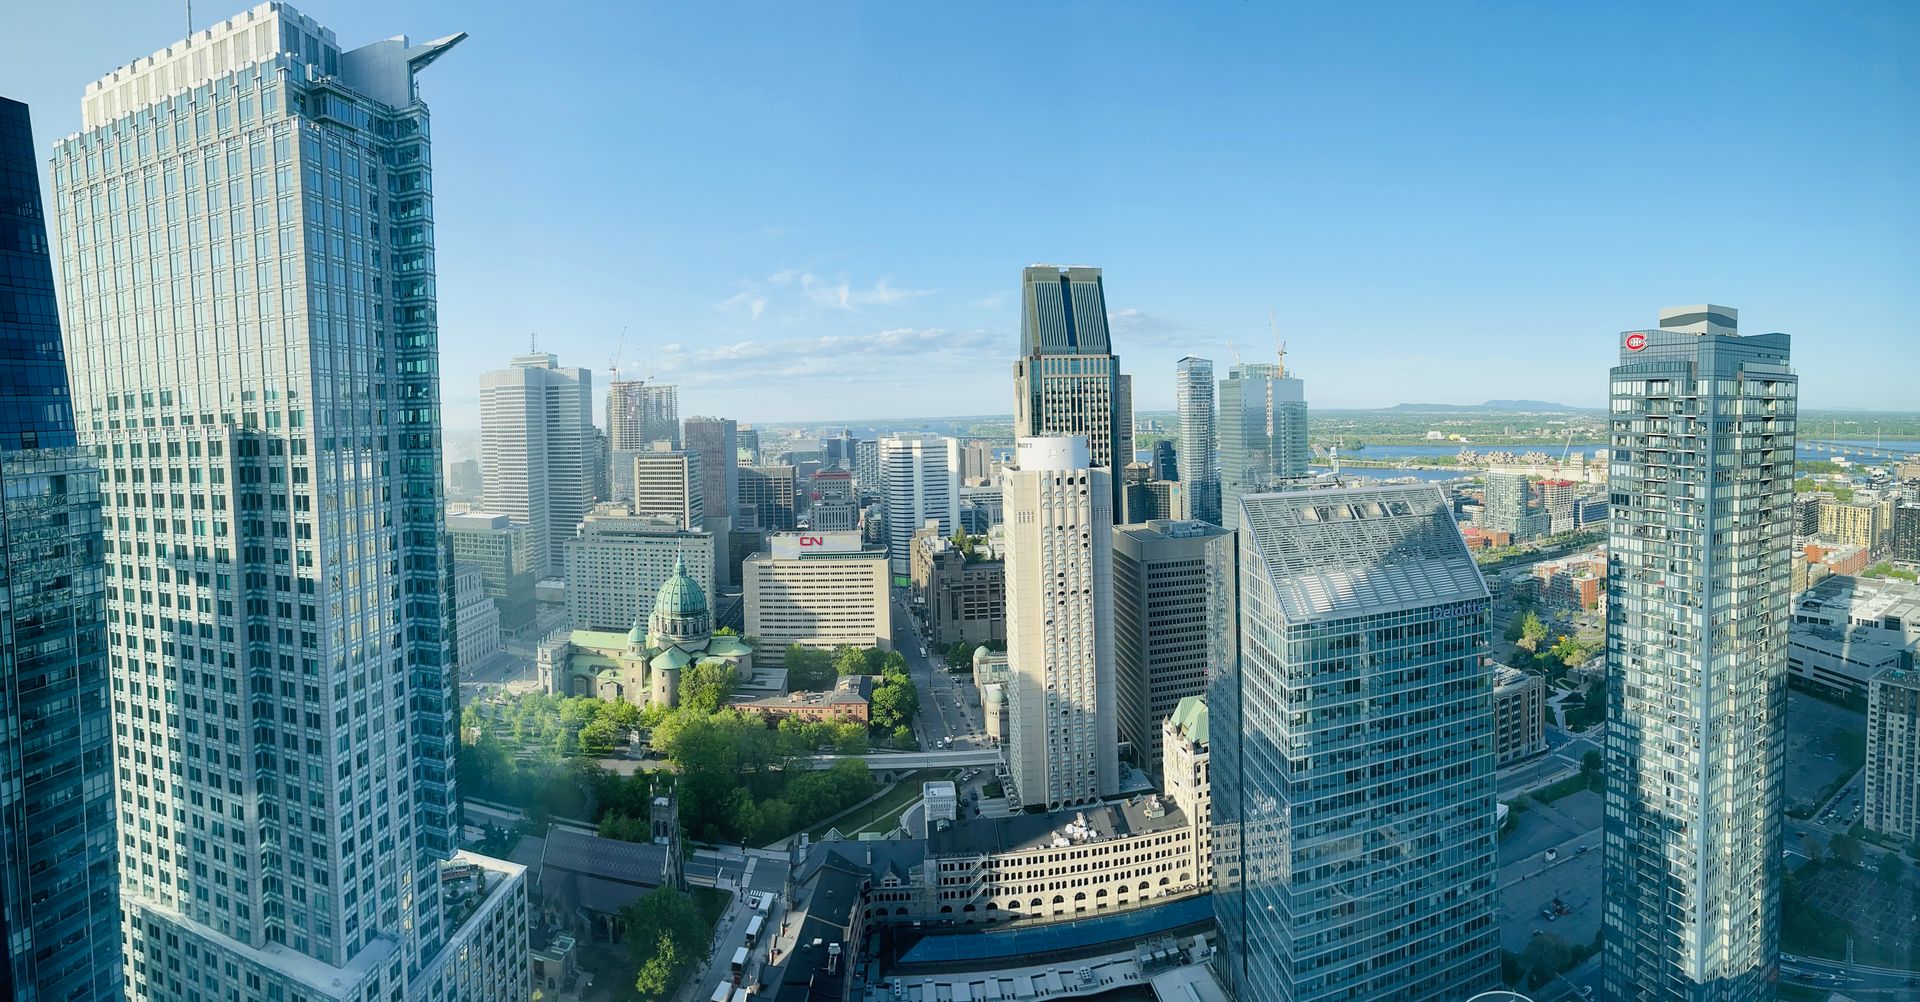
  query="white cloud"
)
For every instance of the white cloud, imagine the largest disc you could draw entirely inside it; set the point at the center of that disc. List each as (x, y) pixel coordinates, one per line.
(1136, 328)
(806, 290)
(898, 355)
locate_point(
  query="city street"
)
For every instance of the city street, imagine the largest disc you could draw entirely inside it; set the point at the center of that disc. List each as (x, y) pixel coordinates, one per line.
(744, 872)
(949, 705)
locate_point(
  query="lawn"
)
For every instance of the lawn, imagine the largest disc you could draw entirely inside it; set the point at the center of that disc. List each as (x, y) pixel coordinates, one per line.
(882, 814)
(1564, 788)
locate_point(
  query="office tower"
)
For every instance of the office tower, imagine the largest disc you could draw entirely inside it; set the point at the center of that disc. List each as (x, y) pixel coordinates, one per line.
(836, 452)
(866, 464)
(272, 352)
(960, 587)
(717, 442)
(1067, 380)
(669, 484)
(1199, 464)
(831, 503)
(921, 475)
(476, 618)
(536, 444)
(1173, 622)
(1697, 589)
(1906, 534)
(502, 550)
(1166, 461)
(766, 499)
(59, 892)
(639, 415)
(1062, 747)
(463, 480)
(1263, 433)
(749, 439)
(1353, 774)
(620, 559)
(818, 590)
(599, 468)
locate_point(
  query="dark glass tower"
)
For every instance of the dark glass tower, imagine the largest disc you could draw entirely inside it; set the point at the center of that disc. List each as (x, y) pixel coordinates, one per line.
(59, 898)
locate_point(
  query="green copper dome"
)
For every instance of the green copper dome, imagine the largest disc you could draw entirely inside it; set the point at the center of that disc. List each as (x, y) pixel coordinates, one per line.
(680, 596)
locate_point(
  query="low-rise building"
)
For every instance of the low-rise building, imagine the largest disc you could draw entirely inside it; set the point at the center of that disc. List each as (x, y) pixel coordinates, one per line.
(1519, 714)
(1892, 802)
(585, 882)
(849, 700)
(940, 799)
(818, 590)
(1573, 584)
(961, 589)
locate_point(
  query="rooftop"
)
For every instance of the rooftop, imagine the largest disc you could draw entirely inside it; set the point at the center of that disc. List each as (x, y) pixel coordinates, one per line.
(1891, 603)
(603, 875)
(978, 836)
(1190, 718)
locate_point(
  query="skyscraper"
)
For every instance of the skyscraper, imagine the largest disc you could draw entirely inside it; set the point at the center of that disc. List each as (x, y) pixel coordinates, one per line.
(716, 441)
(247, 229)
(1263, 433)
(641, 414)
(59, 892)
(1352, 755)
(767, 495)
(536, 449)
(922, 484)
(1062, 745)
(1173, 622)
(1067, 380)
(1698, 584)
(1199, 464)
(1508, 506)
(670, 484)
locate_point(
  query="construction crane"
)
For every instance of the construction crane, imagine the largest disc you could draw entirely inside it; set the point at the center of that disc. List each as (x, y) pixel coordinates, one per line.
(613, 364)
(1236, 352)
(1566, 451)
(1273, 323)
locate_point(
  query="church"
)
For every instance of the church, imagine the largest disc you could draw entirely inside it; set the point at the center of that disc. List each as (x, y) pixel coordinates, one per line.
(642, 666)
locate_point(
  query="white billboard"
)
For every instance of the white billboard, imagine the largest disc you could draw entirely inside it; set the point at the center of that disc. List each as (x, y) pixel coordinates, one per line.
(788, 545)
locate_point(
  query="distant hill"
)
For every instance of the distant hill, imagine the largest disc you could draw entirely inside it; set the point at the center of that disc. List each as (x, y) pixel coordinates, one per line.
(1491, 406)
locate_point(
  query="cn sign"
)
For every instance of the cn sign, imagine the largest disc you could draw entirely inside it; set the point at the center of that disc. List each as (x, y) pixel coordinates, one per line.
(1636, 341)
(788, 545)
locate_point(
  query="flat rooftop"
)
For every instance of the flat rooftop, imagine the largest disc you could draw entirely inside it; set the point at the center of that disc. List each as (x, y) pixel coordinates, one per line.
(1061, 829)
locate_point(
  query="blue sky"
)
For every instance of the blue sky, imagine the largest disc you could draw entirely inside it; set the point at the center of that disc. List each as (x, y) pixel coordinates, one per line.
(820, 211)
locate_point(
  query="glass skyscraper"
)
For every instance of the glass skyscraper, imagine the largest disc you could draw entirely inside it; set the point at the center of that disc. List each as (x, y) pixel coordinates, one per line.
(1698, 582)
(1199, 465)
(246, 231)
(1353, 755)
(1067, 380)
(1263, 433)
(59, 893)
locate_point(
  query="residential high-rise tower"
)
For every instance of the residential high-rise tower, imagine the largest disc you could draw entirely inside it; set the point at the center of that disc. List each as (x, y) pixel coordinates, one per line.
(1263, 433)
(1199, 464)
(537, 449)
(1353, 757)
(1698, 584)
(640, 414)
(59, 891)
(246, 222)
(1067, 380)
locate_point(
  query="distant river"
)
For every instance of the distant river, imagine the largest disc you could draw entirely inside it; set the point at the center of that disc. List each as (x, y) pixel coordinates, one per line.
(1585, 449)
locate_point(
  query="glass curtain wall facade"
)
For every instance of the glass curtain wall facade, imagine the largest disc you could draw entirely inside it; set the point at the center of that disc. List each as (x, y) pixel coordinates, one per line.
(1263, 433)
(1198, 462)
(246, 228)
(1067, 380)
(1698, 582)
(59, 891)
(1353, 756)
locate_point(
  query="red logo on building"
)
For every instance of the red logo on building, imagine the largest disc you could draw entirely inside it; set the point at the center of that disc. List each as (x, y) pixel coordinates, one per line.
(1636, 341)
(806, 541)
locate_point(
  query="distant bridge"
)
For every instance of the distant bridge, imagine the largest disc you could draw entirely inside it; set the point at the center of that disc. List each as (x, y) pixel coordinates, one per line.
(1862, 451)
(886, 765)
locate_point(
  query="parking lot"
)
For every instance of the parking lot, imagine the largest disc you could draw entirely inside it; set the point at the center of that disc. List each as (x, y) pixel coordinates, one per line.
(1530, 882)
(1824, 743)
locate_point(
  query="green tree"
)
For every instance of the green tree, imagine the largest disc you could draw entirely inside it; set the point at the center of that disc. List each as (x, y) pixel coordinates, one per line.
(1891, 867)
(707, 685)
(808, 670)
(1845, 849)
(849, 660)
(1591, 765)
(1545, 956)
(1568, 651)
(894, 703)
(599, 737)
(1532, 631)
(887, 663)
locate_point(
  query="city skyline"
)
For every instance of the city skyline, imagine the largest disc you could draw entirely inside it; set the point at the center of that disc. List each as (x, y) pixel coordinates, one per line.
(767, 288)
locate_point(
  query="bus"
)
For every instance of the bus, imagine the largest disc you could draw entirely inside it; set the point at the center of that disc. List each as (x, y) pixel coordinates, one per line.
(753, 930)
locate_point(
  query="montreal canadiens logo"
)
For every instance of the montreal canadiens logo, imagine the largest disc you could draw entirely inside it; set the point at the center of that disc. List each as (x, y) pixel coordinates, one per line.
(1636, 341)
